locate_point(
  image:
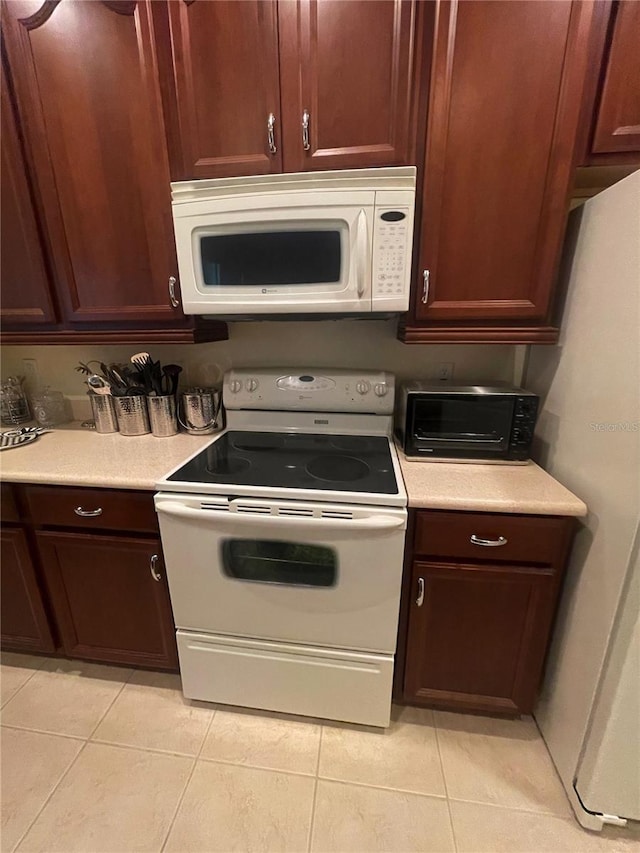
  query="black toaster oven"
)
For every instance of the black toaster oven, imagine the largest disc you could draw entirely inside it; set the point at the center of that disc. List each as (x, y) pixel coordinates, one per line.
(474, 422)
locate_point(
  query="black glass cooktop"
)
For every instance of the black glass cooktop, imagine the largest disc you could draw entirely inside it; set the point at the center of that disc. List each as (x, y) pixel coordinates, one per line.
(346, 463)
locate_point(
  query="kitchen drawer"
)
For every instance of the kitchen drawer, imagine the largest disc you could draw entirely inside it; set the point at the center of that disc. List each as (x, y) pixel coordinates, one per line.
(118, 509)
(8, 508)
(527, 538)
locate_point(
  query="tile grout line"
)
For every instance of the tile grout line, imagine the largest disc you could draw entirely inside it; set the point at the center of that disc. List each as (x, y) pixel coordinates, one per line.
(446, 787)
(41, 731)
(66, 772)
(186, 784)
(13, 695)
(315, 793)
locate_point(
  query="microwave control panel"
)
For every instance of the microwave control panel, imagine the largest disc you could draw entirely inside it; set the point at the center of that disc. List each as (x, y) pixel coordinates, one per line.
(392, 245)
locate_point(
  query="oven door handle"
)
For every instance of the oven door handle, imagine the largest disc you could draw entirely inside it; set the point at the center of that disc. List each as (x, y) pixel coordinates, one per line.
(377, 522)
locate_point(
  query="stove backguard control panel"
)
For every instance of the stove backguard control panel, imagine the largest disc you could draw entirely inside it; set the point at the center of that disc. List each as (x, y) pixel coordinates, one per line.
(310, 390)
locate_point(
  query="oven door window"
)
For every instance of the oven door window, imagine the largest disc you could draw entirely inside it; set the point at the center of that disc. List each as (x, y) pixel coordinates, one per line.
(274, 562)
(287, 256)
(460, 422)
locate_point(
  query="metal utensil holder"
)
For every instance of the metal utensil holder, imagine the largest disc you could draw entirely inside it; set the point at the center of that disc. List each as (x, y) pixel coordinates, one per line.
(162, 415)
(202, 411)
(104, 413)
(132, 414)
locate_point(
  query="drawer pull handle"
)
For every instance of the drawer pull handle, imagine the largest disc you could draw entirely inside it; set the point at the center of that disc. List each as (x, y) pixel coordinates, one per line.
(88, 513)
(488, 543)
(420, 598)
(155, 574)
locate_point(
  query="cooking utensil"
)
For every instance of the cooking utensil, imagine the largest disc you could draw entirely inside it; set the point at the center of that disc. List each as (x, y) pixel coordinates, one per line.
(171, 373)
(98, 385)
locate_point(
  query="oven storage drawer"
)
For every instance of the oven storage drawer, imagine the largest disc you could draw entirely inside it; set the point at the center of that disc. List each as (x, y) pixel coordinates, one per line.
(490, 536)
(335, 685)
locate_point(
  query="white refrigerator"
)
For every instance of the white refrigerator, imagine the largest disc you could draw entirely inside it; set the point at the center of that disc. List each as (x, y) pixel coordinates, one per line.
(588, 436)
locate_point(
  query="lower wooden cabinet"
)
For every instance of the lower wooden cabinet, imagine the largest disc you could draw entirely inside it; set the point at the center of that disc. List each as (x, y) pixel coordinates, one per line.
(110, 598)
(25, 626)
(477, 635)
(479, 597)
(96, 587)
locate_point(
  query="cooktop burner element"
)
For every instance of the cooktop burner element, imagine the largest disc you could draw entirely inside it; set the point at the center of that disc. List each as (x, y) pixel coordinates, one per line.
(338, 469)
(348, 463)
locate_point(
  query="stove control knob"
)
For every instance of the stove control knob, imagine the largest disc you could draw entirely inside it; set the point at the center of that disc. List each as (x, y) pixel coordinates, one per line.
(235, 385)
(363, 387)
(380, 389)
(251, 384)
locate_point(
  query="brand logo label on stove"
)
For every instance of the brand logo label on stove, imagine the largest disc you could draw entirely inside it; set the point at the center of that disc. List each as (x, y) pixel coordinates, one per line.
(323, 421)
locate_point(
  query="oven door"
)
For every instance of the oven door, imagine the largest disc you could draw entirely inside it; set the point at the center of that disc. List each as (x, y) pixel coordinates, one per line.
(300, 572)
(463, 426)
(289, 253)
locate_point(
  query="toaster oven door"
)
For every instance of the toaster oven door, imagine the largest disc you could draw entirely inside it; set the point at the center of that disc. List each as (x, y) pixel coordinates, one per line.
(461, 425)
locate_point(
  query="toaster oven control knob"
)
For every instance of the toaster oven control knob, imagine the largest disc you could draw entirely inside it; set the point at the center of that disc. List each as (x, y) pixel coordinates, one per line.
(251, 384)
(363, 387)
(235, 385)
(380, 389)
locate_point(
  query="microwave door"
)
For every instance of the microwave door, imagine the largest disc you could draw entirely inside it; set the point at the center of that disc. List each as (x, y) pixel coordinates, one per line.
(279, 260)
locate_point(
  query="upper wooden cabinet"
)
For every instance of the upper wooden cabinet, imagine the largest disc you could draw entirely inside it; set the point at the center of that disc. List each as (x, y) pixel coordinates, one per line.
(227, 105)
(86, 83)
(612, 95)
(504, 107)
(348, 70)
(349, 83)
(26, 295)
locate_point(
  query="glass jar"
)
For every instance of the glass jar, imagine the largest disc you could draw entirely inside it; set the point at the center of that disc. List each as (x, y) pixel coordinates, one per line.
(49, 408)
(14, 405)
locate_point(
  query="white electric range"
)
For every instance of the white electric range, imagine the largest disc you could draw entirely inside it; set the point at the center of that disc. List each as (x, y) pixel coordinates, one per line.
(283, 542)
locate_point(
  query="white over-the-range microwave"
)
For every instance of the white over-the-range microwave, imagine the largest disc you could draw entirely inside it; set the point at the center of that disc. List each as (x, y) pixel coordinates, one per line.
(312, 243)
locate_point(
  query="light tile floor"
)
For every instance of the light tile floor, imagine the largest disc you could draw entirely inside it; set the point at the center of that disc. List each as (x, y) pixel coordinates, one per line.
(98, 758)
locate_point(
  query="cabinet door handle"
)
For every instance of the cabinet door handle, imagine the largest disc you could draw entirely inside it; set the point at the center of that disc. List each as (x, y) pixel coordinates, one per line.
(155, 574)
(88, 513)
(271, 136)
(420, 598)
(175, 302)
(488, 543)
(425, 286)
(305, 130)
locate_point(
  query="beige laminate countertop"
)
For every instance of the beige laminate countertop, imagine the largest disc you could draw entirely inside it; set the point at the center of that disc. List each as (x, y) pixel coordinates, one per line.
(490, 488)
(73, 456)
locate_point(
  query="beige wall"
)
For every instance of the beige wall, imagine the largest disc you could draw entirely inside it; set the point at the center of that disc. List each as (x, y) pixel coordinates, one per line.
(341, 343)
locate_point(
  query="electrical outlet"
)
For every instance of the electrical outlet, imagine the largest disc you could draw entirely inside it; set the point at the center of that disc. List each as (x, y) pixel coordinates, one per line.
(30, 373)
(444, 371)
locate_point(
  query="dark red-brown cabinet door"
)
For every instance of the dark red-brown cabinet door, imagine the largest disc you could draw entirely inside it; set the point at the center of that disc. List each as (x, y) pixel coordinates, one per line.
(108, 603)
(25, 297)
(88, 93)
(25, 625)
(350, 66)
(503, 115)
(617, 127)
(225, 78)
(477, 635)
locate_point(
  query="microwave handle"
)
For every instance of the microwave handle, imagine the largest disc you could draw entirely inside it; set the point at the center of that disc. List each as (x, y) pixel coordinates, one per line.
(362, 251)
